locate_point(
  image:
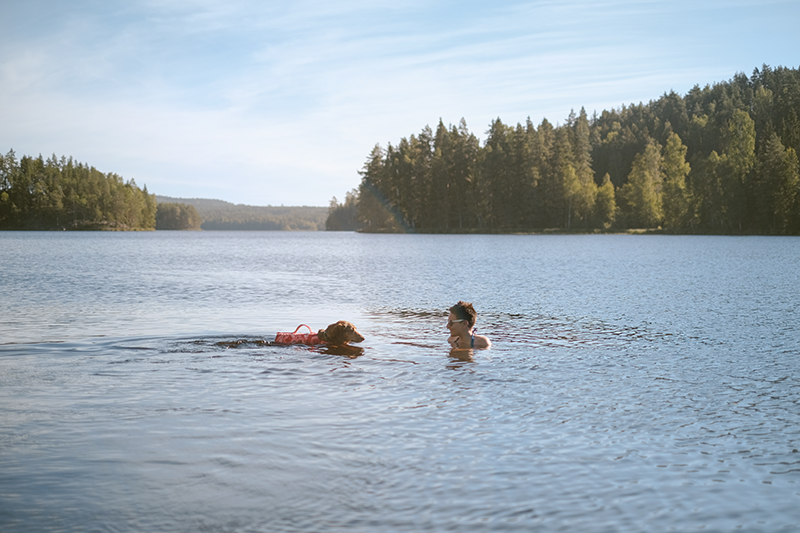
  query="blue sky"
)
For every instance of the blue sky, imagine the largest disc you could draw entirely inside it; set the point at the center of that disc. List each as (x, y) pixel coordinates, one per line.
(270, 103)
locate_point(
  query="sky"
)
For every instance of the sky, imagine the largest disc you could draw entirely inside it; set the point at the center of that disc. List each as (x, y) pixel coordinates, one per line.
(280, 103)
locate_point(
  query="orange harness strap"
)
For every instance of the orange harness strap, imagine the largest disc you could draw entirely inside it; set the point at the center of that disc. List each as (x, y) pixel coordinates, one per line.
(298, 338)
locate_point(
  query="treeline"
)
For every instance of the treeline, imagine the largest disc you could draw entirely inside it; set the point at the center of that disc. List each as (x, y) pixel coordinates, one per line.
(221, 215)
(721, 159)
(39, 194)
(177, 216)
(344, 216)
(56, 194)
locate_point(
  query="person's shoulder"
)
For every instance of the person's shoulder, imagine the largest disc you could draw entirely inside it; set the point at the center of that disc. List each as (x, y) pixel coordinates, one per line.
(482, 342)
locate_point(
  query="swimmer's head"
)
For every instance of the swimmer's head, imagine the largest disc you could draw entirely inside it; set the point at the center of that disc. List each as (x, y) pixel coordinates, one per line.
(464, 311)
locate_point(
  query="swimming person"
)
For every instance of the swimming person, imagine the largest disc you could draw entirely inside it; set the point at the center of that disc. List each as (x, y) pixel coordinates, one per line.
(461, 323)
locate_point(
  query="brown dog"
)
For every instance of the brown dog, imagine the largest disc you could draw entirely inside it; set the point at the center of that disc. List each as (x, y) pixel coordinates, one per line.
(340, 333)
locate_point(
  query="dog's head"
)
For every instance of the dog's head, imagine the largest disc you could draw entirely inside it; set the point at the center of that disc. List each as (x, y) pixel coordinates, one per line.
(342, 332)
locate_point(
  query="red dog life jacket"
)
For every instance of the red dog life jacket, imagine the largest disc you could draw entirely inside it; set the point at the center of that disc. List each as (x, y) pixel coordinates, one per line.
(298, 338)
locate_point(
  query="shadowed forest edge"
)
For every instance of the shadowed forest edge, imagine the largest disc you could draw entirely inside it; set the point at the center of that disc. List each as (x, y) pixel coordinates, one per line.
(721, 159)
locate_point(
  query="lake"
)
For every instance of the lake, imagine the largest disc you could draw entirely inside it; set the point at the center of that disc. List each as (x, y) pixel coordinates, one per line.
(636, 383)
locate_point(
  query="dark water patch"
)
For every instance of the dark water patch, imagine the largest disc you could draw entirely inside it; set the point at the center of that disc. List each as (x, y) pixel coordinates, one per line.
(242, 343)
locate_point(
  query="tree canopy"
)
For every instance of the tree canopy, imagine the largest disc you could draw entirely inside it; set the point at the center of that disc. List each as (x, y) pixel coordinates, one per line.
(177, 216)
(41, 194)
(222, 215)
(343, 216)
(720, 159)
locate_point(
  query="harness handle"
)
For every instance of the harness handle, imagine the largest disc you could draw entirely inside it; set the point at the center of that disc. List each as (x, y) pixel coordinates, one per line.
(300, 326)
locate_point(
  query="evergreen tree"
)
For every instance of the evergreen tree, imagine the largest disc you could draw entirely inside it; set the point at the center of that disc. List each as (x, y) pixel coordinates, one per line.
(549, 187)
(583, 191)
(465, 193)
(606, 204)
(441, 168)
(642, 193)
(707, 196)
(534, 215)
(400, 168)
(675, 197)
(739, 140)
(9, 169)
(522, 178)
(778, 177)
(422, 157)
(566, 183)
(374, 209)
(344, 216)
(497, 168)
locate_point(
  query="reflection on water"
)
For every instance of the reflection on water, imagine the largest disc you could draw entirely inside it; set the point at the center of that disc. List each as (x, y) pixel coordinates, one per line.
(610, 400)
(457, 357)
(350, 351)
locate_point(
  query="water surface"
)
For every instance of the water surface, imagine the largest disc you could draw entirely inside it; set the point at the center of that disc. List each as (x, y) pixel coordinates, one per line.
(635, 383)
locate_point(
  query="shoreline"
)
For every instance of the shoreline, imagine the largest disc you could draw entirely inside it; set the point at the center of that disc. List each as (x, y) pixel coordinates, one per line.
(561, 231)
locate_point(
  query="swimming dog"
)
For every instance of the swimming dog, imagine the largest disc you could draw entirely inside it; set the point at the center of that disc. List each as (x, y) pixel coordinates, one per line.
(340, 333)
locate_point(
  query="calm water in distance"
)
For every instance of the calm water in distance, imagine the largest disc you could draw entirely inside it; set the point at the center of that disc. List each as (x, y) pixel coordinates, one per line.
(636, 383)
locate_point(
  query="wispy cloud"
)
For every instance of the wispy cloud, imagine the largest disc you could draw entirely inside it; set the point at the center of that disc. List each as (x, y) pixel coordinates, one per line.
(261, 102)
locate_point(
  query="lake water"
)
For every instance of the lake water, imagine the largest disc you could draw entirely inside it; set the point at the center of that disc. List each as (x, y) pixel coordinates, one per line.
(636, 383)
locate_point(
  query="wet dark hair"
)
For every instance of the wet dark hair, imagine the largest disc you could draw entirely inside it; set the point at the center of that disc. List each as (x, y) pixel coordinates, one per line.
(464, 311)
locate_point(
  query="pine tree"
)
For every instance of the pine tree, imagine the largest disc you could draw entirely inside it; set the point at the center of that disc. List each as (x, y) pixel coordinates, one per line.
(675, 196)
(549, 187)
(606, 205)
(566, 184)
(584, 193)
(739, 140)
(374, 209)
(642, 193)
(497, 175)
(778, 177)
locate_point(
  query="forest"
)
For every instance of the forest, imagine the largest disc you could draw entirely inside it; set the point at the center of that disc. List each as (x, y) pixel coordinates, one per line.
(721, 159)
(62, 194)
(177, 216)
(221, 215)
(39, 194)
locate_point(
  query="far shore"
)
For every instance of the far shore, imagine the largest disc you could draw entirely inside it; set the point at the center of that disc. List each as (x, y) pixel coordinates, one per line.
(483, 231)
(563, 231)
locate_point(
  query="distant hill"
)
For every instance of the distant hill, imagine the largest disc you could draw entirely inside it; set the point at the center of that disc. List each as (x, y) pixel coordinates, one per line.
(221, 215)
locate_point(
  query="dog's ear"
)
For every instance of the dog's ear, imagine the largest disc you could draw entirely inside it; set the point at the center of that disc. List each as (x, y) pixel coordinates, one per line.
(335, 332)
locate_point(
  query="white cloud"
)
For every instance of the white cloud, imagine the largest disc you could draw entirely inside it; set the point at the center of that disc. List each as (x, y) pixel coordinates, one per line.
(261, 103)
